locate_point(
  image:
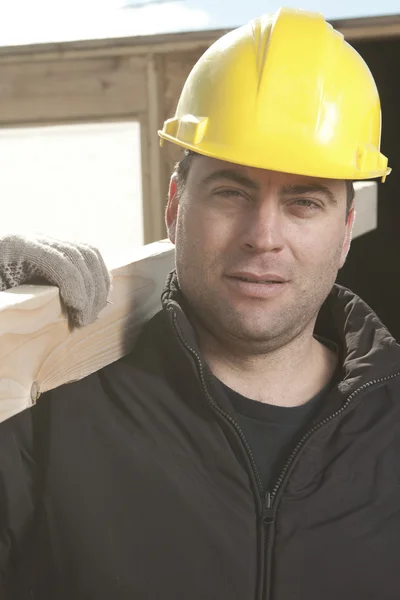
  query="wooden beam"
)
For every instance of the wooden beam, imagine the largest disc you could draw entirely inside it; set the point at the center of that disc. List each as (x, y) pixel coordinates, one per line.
(40, 92)
(38, 352)
(371, 27)
(153, 177)
(138, 45)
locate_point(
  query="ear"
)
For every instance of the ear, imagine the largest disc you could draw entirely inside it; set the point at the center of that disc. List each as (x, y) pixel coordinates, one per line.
(347, 236)
(171, 212)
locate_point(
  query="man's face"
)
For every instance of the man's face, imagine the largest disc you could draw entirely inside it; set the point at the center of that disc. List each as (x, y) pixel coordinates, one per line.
(257, 251)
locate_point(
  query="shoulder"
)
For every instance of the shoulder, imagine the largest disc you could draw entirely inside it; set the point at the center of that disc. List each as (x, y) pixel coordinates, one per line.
(126, 375)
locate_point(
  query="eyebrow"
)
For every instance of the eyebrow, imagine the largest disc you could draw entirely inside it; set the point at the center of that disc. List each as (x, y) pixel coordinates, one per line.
(232, 176)
(290, 190)
(286, 190)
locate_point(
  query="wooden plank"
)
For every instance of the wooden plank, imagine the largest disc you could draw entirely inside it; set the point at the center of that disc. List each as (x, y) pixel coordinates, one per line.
(154, 178)
(40, 92)
(38, 351)
(107, 47)
(159, 184)
(371, 27)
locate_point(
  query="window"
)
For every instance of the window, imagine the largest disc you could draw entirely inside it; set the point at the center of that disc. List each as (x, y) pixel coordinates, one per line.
(75, 182)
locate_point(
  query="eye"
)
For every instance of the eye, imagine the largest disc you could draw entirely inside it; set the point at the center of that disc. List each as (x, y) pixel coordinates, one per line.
(305, 207)
(307, 203)
(230, 193)
(230, 198)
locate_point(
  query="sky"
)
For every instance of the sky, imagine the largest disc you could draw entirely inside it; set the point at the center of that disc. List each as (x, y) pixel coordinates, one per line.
(36, 21)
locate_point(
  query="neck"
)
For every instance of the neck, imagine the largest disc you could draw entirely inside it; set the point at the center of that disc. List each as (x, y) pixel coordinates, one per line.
(286, 376)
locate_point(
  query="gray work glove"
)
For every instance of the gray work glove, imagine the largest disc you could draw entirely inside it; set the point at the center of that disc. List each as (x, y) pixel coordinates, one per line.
(78, 270)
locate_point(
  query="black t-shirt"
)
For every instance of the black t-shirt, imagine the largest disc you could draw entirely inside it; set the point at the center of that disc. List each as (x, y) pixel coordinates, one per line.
(273, 431)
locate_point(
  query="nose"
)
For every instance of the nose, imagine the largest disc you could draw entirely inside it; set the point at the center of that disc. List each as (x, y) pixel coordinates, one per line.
(262, 229)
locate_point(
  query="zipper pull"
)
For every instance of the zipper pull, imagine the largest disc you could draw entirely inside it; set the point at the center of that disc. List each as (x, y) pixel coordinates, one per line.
(268, 516)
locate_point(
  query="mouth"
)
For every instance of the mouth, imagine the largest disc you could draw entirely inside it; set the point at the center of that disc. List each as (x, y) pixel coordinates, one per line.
(262, 278)
(262, 286)
(253, 280)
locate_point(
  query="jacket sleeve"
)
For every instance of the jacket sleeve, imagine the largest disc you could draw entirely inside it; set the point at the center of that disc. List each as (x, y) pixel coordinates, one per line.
(17, 489)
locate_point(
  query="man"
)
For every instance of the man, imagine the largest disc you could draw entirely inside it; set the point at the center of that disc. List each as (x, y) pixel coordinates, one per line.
(248, 448)
(77, 269)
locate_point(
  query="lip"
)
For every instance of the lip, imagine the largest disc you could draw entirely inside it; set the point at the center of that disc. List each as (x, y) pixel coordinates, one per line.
(257, 289)
(257, 277)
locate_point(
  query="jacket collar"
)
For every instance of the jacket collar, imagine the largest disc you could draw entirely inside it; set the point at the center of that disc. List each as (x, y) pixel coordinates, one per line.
(368, 351)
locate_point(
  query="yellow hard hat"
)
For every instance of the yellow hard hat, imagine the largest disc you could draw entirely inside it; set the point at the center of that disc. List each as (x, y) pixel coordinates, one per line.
(284, 92)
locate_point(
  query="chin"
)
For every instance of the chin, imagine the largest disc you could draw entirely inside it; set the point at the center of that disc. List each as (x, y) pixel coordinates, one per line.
(251, 332)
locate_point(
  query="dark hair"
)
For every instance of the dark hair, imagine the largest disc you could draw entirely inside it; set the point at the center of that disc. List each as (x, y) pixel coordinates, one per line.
(182, 169)
(350, 195)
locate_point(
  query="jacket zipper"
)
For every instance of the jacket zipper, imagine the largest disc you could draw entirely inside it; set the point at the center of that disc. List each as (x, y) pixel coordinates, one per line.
(267, 500)
(216, 408)
(272, 507)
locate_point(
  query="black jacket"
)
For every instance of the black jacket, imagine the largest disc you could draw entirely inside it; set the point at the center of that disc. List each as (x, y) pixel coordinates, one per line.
(136, 483)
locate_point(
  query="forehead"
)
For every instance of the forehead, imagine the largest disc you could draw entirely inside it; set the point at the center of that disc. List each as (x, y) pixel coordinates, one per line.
(202, 167)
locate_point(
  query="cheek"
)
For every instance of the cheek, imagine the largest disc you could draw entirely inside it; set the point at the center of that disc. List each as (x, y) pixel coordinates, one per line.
(199, 251)
(318, 246)
(199, 230)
